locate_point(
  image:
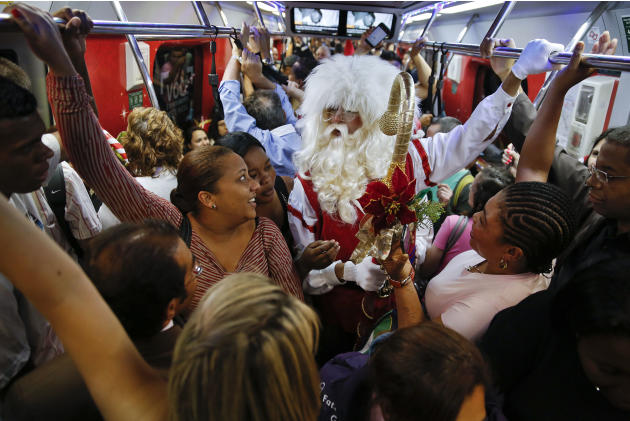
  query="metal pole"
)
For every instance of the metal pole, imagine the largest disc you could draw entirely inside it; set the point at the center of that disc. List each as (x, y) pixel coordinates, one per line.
(582, 30)
(258, 14)
(221, 13)
(598, 61)
(201, 13)
(461, 35)
(427, 26)
(148, 83)
(107, 27)
(500, 19)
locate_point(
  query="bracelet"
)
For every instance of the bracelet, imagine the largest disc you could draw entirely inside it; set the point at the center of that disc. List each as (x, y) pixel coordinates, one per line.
(400, 284)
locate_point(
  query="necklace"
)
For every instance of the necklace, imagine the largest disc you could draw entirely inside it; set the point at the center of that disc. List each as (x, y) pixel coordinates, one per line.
(475, 268)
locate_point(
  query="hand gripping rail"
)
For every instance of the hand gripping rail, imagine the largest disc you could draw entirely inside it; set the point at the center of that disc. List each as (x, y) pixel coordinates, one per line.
(599, 61)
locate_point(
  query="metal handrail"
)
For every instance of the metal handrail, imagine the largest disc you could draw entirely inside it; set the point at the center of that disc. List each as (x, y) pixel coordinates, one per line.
(582, 30)
(201, 13)
(144, 69)
(500, 19)
(598, 61)
(107, 27)
(427, 26)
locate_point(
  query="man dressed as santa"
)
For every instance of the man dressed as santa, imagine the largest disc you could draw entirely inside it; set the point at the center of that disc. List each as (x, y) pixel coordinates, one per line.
(344, 149)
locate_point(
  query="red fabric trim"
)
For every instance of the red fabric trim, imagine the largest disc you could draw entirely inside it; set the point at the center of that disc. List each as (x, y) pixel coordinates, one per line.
(426, 167)
(298, 214)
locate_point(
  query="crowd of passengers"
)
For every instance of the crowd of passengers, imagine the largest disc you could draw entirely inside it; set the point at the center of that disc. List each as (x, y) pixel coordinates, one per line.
(194, 275)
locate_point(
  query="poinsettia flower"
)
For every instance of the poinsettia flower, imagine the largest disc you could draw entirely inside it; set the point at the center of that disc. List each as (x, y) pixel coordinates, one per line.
(389, 204)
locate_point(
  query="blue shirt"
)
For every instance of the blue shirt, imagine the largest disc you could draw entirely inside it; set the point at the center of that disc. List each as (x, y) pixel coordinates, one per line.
(280, 143)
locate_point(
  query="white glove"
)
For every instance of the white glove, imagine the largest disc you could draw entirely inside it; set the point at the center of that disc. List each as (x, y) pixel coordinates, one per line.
(366, 274)
(325, 277)
(535, 58)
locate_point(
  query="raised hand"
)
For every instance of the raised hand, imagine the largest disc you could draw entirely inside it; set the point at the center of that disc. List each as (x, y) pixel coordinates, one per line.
(43, 37)
(417, 46)
(78, 25)
(535, 58)
(500, 66)
(251, 65)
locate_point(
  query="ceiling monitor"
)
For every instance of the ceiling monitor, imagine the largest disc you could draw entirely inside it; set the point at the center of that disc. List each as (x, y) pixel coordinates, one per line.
(315, 21)
(358, 22)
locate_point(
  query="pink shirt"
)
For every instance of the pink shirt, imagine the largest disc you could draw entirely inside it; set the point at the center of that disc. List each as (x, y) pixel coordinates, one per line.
(467, 301)
(461, 245)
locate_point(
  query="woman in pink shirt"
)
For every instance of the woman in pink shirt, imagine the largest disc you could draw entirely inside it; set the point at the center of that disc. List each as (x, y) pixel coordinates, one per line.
(453, 237)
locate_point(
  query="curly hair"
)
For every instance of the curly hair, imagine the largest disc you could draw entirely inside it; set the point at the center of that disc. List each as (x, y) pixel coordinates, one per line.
(152, 140)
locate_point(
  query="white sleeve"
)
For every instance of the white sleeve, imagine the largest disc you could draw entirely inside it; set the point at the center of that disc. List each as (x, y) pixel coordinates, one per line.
(79, 213)
(302, 221)
(51, 142)
(446, 153)
(302, 217)
(424, 239)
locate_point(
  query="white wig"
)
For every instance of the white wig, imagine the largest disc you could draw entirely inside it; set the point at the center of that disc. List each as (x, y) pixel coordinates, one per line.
(341, 169)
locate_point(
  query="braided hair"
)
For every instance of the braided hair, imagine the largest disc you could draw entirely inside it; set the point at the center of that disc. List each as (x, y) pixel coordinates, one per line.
(538, 218)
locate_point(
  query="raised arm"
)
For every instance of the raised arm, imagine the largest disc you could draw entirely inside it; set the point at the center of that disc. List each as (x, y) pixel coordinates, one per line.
(423, 68)
(538, 150)
(121, 382)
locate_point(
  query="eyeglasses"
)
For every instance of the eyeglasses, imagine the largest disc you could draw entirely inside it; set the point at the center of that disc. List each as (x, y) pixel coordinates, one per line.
(603, 176)
(345, 116)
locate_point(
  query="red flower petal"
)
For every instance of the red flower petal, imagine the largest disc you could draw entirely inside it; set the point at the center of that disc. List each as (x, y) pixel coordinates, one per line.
(390, 219)
(377, 187)
(399, 180)
(378, 223)
(375, 207)
(408, 193)
(406, 216)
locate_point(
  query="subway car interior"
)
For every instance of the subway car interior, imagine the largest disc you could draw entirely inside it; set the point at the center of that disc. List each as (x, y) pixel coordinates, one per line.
(282, 210)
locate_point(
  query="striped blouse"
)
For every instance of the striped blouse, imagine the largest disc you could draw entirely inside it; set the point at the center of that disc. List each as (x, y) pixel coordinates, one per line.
(92, 157)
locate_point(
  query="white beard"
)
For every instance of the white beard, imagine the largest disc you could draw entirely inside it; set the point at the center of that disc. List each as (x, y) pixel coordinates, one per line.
(340, 167)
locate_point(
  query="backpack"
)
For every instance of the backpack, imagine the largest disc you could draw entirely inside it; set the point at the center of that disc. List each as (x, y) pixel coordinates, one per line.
(56, 197)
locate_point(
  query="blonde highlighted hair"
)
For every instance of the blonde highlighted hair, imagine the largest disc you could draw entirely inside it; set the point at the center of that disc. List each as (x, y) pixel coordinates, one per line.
(247, 353)
(152, 140)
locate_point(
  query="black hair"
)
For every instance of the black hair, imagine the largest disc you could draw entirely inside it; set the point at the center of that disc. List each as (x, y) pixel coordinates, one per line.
(538, 218)
(338, 49)
(239, 142)
(446, 123)
(265, 106)
(304, 66)
(199, 170)
(15, 101)
(491, 181)
(596, 301)
(134, 269)
(425, 372)
(620, 135)
(188, 137)
(390, 55)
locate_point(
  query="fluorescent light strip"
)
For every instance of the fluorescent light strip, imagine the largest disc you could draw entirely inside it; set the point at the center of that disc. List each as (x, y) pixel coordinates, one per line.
(473, 5)
(420, 17)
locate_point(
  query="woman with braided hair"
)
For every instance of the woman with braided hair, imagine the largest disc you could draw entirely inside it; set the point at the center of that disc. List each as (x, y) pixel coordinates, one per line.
(514, 239)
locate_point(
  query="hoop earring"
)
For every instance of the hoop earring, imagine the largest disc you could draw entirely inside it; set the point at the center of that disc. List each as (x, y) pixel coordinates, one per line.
(502, 264)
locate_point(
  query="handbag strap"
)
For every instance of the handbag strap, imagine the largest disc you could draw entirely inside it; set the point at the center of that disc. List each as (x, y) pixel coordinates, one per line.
(457, 232)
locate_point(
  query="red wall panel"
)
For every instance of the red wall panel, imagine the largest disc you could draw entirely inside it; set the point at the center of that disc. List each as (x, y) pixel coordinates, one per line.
(105, 59)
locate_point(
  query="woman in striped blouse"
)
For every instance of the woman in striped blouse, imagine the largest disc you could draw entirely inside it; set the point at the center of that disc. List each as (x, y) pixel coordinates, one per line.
(214, 192)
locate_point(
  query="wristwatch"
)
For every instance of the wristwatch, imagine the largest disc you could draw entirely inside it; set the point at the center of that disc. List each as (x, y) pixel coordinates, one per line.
(268, 61)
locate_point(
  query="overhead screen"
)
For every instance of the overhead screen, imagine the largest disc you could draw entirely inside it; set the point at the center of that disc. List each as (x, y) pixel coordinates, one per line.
(358, 22)
(318, 21)
(322, 21)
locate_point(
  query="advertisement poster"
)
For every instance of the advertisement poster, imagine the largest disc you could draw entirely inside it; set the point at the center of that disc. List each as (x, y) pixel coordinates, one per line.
(173, 80)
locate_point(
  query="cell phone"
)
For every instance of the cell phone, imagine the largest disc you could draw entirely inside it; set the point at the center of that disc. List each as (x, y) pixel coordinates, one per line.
(378, 35)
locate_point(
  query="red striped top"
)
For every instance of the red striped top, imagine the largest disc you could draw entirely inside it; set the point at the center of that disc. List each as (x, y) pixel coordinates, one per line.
(266, 253)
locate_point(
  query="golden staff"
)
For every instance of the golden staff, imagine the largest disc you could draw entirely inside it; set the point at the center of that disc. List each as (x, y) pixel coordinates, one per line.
(397, 120)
